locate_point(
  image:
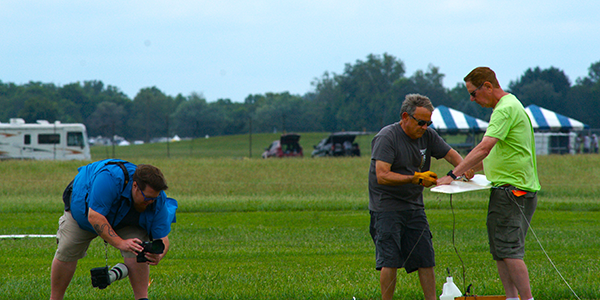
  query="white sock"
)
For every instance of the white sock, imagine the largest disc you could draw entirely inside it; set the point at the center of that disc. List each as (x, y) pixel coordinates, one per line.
(512, 298)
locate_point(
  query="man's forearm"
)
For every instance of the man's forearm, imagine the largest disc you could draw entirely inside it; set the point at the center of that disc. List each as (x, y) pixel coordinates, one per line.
(475, 157)
(471, 161)
(103, 228)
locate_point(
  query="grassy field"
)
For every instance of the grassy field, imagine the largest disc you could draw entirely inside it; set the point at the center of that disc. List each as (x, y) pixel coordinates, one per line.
(294, 228)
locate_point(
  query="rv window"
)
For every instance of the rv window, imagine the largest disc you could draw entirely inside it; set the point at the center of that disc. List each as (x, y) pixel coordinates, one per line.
(75, 139)
(27, 139)
(49, 139)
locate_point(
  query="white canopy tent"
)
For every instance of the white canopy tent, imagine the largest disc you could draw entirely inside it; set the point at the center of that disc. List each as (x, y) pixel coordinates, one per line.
(554, 133)
(448, 120)
(451, 121)
(546, 120)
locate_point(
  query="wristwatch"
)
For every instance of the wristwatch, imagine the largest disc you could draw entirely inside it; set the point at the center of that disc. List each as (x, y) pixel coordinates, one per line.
(451, 175)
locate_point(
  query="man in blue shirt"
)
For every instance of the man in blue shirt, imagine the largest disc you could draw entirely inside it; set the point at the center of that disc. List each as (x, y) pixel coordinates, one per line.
(103, 201)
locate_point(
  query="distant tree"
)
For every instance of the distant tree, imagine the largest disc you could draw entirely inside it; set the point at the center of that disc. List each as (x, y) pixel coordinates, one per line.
(430, 84)
(236, 115)
(33, 92)
(75, 102)
(541, 93)
(367, 92)
(584, 97)
(461, 101)
(557, 78)
(7, 92)
(546, 88)
(593, 75)
(107, 120)
(195, 118)
(69, 112)
(326, 100)
(458, 96)
(150, 115)
(594, 72)
(280, 112)
(39, 109)
(93, 87)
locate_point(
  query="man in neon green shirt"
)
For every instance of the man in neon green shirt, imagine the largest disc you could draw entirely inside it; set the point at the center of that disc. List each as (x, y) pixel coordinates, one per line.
(506, 154)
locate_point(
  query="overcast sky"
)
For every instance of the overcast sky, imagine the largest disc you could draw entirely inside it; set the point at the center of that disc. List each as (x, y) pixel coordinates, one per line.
(230, 49)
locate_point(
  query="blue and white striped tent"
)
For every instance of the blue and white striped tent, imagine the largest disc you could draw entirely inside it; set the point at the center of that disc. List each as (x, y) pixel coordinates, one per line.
(448, 120)
(546, 120)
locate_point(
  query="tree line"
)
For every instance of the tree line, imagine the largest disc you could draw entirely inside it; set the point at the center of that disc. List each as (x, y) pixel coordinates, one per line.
(366, 96)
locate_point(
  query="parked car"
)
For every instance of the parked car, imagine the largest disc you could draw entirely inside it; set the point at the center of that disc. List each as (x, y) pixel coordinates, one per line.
(286, 145)
(338, 144)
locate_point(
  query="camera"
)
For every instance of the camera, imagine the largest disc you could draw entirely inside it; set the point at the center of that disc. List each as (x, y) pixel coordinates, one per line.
(155, 247)
(103, 277)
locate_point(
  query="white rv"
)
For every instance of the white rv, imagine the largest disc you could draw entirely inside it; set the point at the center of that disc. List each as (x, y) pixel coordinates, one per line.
(43, 140)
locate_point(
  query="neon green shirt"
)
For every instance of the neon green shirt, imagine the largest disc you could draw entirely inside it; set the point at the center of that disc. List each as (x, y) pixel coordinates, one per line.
(512, 160)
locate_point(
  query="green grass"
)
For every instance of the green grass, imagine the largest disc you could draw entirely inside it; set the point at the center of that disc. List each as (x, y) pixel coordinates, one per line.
(295, 229)
(235, 146)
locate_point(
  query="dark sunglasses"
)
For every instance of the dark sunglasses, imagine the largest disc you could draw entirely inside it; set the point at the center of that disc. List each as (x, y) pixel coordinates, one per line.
(147, 199)
(473, 93)
(421, 122)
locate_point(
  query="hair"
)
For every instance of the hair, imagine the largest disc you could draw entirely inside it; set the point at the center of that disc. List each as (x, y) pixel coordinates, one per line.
(150, 175)
(412, 101)
(480, 75)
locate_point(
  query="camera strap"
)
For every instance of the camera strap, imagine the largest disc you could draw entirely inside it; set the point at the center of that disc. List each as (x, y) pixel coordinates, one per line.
(125, 173)
(106, 252)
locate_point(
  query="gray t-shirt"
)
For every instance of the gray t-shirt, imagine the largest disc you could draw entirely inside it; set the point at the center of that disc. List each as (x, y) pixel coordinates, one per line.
(406, 156)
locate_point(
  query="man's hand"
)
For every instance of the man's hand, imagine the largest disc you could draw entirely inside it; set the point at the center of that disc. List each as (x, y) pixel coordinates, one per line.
(425, 179)
(131, 245)
(154, 259)
(445, 180)
(469, 174)
(108, 234)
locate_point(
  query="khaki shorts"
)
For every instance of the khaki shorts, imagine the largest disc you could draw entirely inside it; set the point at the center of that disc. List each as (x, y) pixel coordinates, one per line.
(73, 241)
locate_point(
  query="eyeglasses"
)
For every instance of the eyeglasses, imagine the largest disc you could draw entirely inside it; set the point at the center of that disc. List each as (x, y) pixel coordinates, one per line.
(147, 199)
(474, 93)
(421, 122)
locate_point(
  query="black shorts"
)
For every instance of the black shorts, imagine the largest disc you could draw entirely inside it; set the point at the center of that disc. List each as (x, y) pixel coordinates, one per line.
(402, 240)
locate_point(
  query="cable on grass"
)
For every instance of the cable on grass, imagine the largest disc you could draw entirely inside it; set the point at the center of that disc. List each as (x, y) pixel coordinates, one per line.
(408, 256)
(454, 245)
(511, 196)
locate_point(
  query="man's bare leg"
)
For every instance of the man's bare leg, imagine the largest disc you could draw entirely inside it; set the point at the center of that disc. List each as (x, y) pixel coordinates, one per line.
(515, 278)
(387, 280)
(139, 273)
(427, 279)
(60, 277)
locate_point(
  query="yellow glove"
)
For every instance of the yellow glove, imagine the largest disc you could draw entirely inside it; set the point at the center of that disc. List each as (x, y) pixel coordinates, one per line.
(425, 179)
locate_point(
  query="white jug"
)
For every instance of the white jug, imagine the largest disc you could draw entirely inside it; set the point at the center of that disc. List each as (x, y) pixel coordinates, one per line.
(450, 290)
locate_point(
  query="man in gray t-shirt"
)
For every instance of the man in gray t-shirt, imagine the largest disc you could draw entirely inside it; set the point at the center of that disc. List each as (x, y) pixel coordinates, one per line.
(400, 160)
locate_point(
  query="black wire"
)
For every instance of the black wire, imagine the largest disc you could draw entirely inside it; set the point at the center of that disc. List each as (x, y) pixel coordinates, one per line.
(454, 244)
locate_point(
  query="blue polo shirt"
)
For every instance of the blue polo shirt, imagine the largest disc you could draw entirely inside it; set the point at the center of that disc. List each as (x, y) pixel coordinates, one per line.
(101, 187)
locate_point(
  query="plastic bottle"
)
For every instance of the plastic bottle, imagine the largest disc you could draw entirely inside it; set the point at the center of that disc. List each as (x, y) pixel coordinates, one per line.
(450, 290)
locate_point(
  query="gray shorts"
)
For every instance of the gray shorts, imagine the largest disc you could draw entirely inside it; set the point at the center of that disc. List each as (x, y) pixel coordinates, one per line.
(73, 241)
(508, 220)
(402, 240)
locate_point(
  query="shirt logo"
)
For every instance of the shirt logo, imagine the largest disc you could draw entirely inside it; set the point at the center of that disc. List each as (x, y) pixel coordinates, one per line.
(423, 158)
